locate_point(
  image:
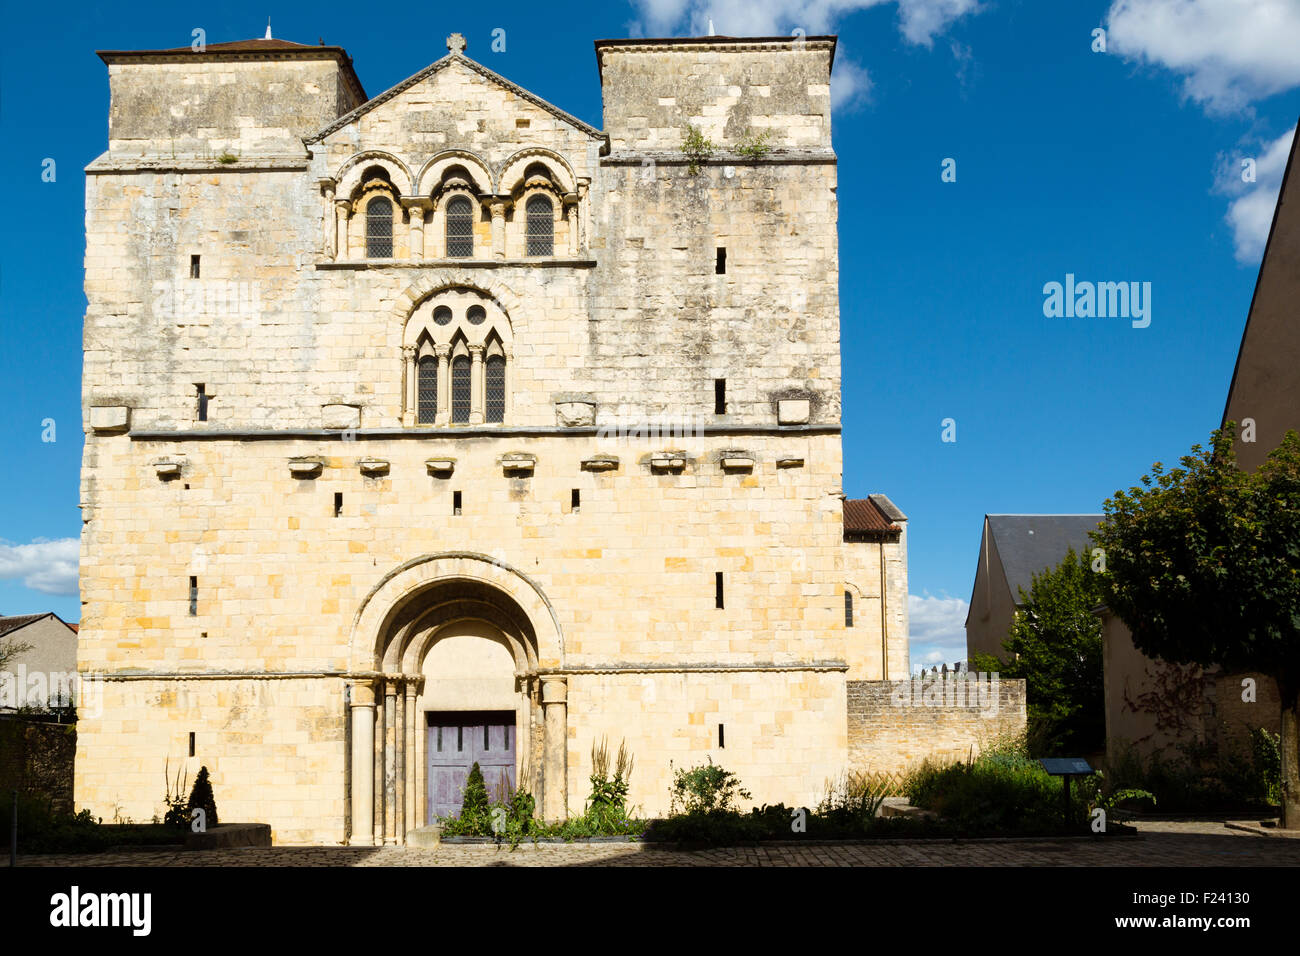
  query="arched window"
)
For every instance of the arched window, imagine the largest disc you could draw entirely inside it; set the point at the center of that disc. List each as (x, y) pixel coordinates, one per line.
(460, 389)
(848, 608)
(460, 227)
(428, 390)
(495, 373)
(379, 228)
(541, 227)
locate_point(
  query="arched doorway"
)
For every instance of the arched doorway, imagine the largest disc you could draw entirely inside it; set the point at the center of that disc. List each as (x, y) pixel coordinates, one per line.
(446, 671)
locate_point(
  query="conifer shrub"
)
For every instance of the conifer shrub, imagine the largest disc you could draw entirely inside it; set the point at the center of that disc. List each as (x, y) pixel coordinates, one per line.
(201, 798)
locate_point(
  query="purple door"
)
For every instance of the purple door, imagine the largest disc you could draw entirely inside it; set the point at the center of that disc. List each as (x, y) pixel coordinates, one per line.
(458, 740)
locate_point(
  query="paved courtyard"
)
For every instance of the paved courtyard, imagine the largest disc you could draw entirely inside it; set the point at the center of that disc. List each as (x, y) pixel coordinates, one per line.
(1162, 843)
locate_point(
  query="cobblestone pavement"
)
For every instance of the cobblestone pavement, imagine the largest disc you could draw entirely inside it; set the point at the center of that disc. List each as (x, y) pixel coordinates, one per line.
(1162, 843)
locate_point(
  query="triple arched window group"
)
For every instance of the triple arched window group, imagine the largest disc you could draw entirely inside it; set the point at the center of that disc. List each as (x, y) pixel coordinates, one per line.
(458, 225)
(461, 390)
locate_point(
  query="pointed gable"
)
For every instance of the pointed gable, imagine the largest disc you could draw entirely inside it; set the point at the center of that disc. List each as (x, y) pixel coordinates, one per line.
(450, 70)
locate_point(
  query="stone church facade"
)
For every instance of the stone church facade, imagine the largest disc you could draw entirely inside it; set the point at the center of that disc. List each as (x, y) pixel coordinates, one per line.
(441, 426)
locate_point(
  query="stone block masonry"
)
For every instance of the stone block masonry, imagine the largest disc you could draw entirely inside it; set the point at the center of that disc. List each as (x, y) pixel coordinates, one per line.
(895, 725)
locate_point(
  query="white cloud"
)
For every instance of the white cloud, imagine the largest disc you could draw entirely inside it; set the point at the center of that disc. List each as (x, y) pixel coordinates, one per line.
(46, 566)
(1251, 214)
(1229, 52)
(937, 629)
(850, 85)
(920, 21)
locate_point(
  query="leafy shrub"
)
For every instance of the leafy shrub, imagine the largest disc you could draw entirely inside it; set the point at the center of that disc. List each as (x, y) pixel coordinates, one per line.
(177, 814)
(1205, 778)
(697, 148)
(704, 789)
(201, 798)
(1000, 791)
(755, 144)
(607, 806)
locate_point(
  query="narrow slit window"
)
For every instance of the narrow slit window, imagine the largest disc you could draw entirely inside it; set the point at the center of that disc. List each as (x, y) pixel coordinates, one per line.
(201, 402)
(455, 502)
(194, 596)
(717, 589)
(487, 739)
(719, 396)
(191, 743)
(439, 740)
(848, 608)
(575, 500)
(460, 739)
(194, 267)
(338, 504)
(428, 390)
(720, 261)
(722, 737)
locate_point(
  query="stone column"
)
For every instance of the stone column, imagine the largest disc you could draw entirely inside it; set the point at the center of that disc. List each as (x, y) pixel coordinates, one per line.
(409, 364)
(418, 209)
(399, 775)
(341, 207)
(363, 763)
(408, 769)
(330, 220)
(476, 385)
(571, 211)
(390, 762)
(377, 759)
(444, 385)
(555, 759)
(498, 229)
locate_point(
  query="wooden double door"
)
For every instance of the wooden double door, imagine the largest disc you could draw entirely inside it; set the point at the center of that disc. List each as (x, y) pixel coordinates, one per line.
(456, 741)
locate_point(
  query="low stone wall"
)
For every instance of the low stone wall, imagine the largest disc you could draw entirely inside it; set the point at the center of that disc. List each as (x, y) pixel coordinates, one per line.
(37, 758)
(894, 725)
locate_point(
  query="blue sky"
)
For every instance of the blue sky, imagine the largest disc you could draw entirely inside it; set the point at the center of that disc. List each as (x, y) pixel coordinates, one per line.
(1123, 165)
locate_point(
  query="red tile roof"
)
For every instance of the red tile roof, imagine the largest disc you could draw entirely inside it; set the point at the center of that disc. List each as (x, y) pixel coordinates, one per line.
(864, 516)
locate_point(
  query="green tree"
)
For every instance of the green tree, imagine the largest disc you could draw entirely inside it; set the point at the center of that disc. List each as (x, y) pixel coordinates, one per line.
(474, 806)
(1054, 645)
(1203, 565)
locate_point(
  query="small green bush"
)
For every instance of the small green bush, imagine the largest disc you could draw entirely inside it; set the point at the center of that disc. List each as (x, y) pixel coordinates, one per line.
(704, 789)
(697, 148)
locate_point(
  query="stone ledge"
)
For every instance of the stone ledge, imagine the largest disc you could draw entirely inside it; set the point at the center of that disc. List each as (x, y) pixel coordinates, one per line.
(224, 836)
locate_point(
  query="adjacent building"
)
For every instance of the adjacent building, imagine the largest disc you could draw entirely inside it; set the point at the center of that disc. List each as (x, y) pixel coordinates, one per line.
(1013, 548)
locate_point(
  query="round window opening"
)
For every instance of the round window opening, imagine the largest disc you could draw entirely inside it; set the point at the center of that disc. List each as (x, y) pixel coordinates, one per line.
(476, 314)
(442, 315)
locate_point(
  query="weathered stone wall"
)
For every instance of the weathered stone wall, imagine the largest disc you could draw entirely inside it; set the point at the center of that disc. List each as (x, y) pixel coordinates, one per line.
(1158, 709)
(274, 749)
(38, 758)
(862, 578)
(202, 107)
(894, 725)
(726, 90)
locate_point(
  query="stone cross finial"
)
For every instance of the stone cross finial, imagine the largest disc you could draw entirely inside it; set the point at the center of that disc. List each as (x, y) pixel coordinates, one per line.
(456, 43)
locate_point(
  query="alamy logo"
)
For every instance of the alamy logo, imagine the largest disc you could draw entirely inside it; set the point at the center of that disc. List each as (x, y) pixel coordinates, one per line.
(74, 908)
(1102, 300)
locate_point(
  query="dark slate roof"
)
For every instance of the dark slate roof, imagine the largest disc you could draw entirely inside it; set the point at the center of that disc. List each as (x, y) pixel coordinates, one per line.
(873, 515)
(1030, 544)
(8, 624)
